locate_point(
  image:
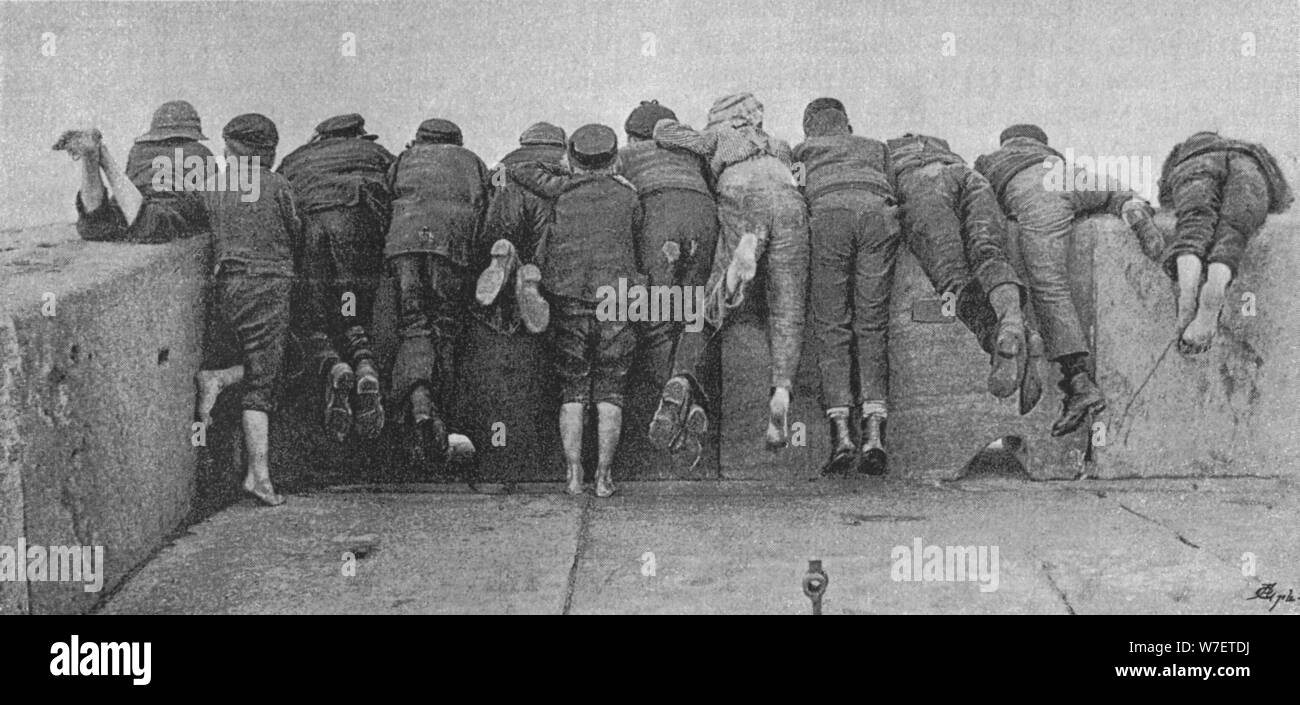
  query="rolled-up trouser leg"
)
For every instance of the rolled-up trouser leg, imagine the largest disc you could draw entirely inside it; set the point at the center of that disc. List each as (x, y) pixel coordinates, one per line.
(1046, 221)
(788, 259)
(416, 356)
(1242, 210)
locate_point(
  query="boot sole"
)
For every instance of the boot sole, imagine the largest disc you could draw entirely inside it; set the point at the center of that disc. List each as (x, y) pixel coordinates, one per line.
(368, 414)
(338, 412)
(874, 462)
(667, 424)
(1094, 408)
(840, 466)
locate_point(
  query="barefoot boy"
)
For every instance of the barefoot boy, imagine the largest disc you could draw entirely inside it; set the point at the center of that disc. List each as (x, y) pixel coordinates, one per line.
(1221, 190)
(594, 219)
(255, 244)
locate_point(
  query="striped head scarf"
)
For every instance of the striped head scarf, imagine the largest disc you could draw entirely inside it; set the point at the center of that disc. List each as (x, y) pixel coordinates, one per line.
(736, 111)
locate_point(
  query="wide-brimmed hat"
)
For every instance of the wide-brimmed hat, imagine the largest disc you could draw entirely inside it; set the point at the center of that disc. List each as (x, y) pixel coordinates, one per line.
(176, 118)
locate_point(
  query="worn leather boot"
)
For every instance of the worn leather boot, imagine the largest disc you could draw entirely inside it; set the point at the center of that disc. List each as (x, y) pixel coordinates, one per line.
(844, 453)
(338, 408)
(1009, 355)
(1082, 399)
(1031, 387)
(674, 404)
(874, 460)
(369, 411)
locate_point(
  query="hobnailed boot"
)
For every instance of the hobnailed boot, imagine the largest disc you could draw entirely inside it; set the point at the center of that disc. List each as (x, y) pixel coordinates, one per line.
(1083, 398)
(874, 460)
(338, 410)
(1139, 216)
(428, 440)
(368, 415)
(1031, 387)
(1007, 360)
(696, 429)
(533, 307)
(493, 279)
(669, 419)
(843, 451)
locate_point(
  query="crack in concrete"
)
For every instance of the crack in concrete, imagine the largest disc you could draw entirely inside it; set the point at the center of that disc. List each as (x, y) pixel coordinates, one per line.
(1051, 581)
(580, 546)
(1160, 524)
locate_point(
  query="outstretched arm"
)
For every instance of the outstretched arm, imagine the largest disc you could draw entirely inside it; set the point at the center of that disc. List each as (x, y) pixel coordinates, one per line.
(670, 133)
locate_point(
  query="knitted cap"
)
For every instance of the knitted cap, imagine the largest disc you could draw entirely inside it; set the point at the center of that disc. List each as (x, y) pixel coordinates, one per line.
(543, 133)
(736, 110)
(641, 122)
(439, 131)
(252, 130)
(342, 125)
(1032, 131)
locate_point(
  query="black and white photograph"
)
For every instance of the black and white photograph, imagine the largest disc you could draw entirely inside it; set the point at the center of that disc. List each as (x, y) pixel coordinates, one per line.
(651, 307)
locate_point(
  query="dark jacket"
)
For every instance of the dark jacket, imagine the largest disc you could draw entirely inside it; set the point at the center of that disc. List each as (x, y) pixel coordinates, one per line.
(439, 200)
(914, 151)
(265, 232)
(1180, 159)
(652, 168)
(844, 161)
(339, 172)
(165, 214)
(1014, 156)
(590, 231)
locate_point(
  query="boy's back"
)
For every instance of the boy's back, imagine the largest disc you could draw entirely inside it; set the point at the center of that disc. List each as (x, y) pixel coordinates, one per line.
(258, 227)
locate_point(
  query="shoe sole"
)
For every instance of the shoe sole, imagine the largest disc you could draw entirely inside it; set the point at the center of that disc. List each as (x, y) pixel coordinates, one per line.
(338, 412)
(840, 466)
(875, 462)
(1092, 409)
(368, 414)
(667, 424)
(1007, 370)
(534, 310)
(493, 279)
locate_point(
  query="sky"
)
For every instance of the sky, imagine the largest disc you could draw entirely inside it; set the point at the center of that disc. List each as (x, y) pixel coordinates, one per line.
(1103, 77)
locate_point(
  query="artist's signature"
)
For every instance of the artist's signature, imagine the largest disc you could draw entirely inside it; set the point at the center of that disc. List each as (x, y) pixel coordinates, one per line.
(1268, 592)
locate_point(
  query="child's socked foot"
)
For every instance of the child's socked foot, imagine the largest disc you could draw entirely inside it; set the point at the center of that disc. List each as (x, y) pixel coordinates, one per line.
(263, 491)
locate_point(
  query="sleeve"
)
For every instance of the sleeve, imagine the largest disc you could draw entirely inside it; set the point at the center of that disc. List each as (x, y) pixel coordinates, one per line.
(292, 225)
(537, 178)
(670, 133)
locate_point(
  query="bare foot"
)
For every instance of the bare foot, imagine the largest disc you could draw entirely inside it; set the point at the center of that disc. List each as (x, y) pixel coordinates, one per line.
(263, 491)
(1198, 337)
(209, 384)
(574, 486)
(604, 485)
(778, 419)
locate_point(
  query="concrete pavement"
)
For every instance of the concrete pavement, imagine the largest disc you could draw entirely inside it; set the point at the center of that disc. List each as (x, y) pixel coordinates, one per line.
(1164, 546)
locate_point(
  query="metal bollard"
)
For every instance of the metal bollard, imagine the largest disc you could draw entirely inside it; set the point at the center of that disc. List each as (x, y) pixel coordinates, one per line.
(815, 582)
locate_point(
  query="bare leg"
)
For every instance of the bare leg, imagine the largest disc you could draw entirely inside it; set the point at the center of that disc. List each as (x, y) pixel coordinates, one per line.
(209, 384)
(1189, 281)
(127, 195)
(571, 422)
(1199, 335)
(92, 182)
(608, 431)
(257, 435)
